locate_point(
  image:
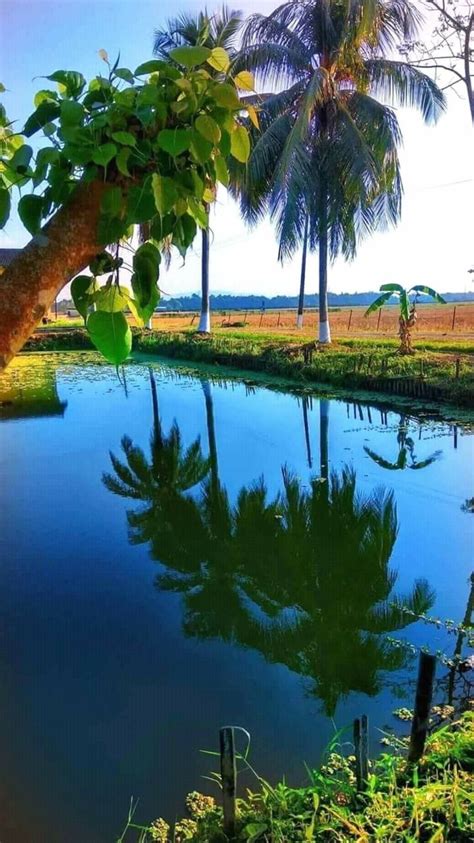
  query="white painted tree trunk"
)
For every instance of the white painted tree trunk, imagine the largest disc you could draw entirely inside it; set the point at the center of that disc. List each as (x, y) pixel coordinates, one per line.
(324, 332)
(204, 326)
(299, 320)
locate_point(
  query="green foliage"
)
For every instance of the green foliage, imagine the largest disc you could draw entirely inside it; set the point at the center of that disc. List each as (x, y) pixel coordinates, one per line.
(153, 136)
(390, 290)
(436, 803)
(354, 363)
(111, 335)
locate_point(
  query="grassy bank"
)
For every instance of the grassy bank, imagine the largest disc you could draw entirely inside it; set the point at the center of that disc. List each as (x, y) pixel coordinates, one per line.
(432, 802)
(363, 364)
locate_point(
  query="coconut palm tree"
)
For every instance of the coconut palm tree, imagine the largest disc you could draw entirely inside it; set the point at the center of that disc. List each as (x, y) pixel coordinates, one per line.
(408, 314)
(327, 150)
(217, 30)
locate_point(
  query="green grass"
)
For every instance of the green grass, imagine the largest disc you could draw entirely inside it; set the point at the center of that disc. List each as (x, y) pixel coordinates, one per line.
(365, 366)
(433, 802)
(361, 364)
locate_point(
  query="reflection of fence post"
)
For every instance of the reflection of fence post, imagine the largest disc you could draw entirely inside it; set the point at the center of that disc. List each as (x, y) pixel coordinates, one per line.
(458, 366)
(350, 320)
(454, 318)
(229, 778)
(424, 693)
(361, 751)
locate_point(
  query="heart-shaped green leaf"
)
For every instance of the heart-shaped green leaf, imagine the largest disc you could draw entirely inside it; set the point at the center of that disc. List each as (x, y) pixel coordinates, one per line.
(111, 335)
(174, 141)
(111, 299)
(82, 289)
(190, 56)
(208, 128)
(5, 204)
(240, 144)
(165, 193)
(103, 154)
(30, 211)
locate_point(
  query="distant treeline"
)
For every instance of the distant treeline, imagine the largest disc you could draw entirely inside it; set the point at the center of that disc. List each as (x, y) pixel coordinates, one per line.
(231, 302)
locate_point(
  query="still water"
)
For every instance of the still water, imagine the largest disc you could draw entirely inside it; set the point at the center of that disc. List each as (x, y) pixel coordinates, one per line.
(190, 552)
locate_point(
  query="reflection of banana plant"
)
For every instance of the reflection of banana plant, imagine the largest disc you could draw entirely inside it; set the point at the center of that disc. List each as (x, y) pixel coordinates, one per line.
(406, 452)
(303, 577)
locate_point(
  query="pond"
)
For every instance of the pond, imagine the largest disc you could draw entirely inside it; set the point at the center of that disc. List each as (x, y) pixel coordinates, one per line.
(181, 552)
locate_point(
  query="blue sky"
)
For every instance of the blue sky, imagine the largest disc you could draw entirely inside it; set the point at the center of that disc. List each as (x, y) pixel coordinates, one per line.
(432, 244)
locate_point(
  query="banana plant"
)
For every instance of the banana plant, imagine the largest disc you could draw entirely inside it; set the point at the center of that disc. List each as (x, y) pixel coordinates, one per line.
(408, 314)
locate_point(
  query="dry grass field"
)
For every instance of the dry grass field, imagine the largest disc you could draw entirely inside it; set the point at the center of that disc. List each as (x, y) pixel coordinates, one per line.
(435, 322)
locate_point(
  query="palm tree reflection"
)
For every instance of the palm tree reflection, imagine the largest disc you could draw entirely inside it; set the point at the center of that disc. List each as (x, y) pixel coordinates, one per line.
(302, 577)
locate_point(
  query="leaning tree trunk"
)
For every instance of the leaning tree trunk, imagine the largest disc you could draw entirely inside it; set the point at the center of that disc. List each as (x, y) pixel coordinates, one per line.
(29, 286)
(205, 320)
(324, 330)
(299, 318)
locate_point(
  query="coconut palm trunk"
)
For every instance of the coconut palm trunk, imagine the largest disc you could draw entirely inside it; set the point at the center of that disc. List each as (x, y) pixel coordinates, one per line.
(204, 326)
(324, 329)
(299, 317)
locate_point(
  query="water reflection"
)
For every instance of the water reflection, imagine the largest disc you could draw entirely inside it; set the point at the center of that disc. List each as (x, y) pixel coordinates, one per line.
(406, 457)
(29, 391)
(303, 576)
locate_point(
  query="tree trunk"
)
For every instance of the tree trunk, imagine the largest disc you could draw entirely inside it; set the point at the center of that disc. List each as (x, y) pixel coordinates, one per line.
(324, 330)
(299, 318)
(204, 326)
(467, 64)
(66, 244)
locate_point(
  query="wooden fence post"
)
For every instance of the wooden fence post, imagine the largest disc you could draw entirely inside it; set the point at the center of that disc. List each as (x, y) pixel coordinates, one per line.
(454, 318)
(229, 778)
(261, 319)
(378, 320)
(245, 318)
(279, 314)
(350, 320)
(424, 694)
(361, 751)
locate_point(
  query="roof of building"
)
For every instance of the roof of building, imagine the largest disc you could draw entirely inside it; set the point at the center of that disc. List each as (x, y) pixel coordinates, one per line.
(7, 255)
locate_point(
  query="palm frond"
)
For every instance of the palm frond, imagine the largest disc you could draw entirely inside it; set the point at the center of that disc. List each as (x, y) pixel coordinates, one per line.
(403, 84)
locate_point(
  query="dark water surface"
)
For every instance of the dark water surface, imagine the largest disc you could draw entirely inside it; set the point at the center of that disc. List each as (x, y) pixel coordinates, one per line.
(232, 593)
